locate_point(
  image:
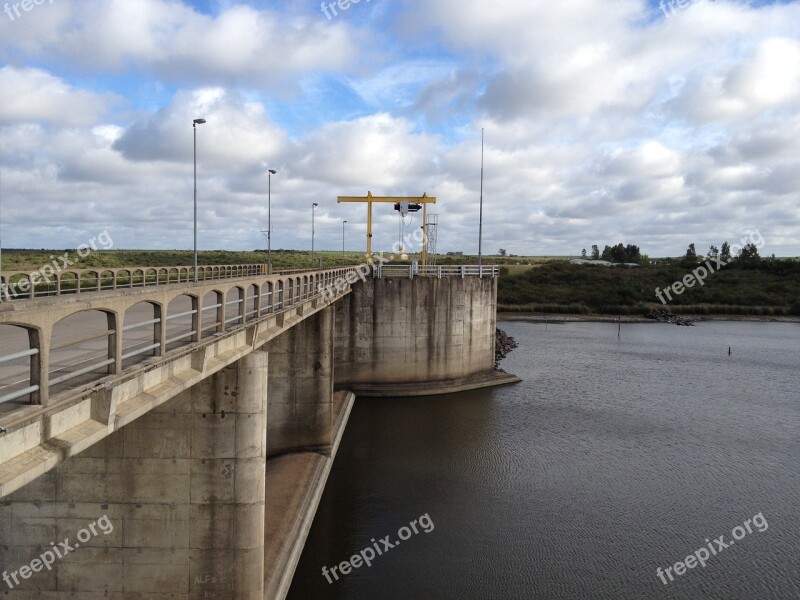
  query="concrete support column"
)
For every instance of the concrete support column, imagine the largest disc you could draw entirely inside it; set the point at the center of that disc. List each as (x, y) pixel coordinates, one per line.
(249, 492)
(301, 386)
(160, 328)
(197, 307)
(114, 323)
(181, 491)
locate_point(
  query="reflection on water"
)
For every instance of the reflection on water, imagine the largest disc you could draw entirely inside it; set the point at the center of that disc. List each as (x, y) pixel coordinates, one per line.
(612, 458)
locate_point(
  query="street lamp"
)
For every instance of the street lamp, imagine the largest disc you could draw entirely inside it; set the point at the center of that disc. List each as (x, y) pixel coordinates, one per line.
(480, 218)
(313, 208)
(343, 222)
(270, 173)
(195, 123)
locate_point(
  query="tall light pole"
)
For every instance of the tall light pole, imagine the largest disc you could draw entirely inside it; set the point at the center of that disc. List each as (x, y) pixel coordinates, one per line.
(195, 123)
(343, 222)
(2, 285)
(480, 218)
(313, 208)
(270, 173)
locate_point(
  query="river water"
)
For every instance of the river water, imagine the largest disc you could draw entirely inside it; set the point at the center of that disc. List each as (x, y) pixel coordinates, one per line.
(613, 457)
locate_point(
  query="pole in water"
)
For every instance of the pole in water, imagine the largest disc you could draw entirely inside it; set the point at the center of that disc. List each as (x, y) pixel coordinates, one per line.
(729, 350)
(619, 326)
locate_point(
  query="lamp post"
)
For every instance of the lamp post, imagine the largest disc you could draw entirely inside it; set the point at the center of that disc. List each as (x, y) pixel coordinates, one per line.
(313, 208)
(480, 218)
(195, 123)
(343, 222)
(2, 285)
(270, 173)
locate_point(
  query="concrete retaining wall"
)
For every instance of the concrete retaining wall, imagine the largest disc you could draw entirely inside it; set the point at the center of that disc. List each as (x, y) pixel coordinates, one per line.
(397, 333)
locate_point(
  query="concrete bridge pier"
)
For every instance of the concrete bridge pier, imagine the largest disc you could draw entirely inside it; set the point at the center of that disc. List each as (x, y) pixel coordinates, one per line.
(301, 387)
(306, 421)
(184, 489)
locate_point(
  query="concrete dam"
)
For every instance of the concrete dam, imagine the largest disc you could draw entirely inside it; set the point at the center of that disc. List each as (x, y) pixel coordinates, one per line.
(165, 438)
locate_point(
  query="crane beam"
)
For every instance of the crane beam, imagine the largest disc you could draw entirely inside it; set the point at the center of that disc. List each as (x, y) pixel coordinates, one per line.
(369, 199)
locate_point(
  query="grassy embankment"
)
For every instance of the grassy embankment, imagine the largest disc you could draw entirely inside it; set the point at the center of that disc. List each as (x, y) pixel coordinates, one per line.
(31, 260)
(770, 288)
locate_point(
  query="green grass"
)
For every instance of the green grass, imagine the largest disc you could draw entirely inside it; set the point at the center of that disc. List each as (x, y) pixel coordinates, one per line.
(31, 260)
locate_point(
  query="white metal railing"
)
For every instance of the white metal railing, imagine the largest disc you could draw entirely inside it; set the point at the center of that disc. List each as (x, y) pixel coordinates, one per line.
(436, 271)
(19, 285)
(277, 296)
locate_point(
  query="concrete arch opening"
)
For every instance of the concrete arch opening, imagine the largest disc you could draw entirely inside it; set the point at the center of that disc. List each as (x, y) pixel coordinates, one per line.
(181, 322)
(82, 349)
(68, 282)
(278, 295)
(107, 280)
(141, 333)
(267, 298)
(137, 278)
(251, 304)
(211, 314)
(90, 281)
(234, 307)
(19, 367)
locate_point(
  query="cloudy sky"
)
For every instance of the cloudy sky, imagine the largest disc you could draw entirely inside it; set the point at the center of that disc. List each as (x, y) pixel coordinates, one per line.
(606, 121)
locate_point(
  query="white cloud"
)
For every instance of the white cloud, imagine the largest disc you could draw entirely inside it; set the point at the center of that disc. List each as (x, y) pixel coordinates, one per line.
(378, 152)
(605, 122)
(176, 43)
(35, 95)
(237, 133)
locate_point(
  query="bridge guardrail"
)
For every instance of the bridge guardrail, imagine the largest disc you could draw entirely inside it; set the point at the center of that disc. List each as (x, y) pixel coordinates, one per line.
(19, 285)
(437, 271)
(255, 295)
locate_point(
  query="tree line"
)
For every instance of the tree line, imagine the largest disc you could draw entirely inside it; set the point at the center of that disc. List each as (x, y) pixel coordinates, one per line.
(619, 253)
(631, 253)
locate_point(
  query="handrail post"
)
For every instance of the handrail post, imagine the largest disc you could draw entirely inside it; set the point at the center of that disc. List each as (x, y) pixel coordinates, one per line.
(160, 328)
(114, 323)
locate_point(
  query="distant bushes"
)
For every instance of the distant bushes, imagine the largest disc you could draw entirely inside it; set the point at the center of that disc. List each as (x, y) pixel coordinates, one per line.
(772, 288)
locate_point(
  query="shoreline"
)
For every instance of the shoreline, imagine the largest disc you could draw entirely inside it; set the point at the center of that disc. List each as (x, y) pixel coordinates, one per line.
(558, 318)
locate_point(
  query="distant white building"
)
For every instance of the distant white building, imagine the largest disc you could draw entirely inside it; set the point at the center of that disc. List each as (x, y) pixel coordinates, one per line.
(596, 263)
(603, 263)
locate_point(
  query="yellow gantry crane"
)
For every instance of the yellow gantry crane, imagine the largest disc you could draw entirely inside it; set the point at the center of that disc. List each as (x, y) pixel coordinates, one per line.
(424, 200)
